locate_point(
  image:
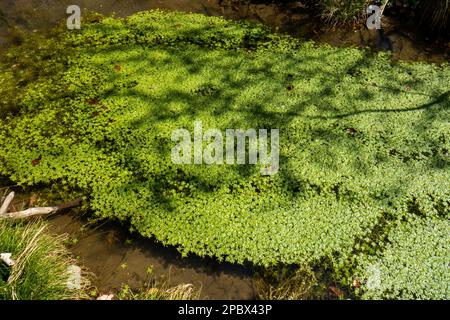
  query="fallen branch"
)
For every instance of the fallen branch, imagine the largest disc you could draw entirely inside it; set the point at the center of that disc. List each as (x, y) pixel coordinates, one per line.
(383, 7)
(6, 258)
(39, 210)
(28, 213)
(6, 203)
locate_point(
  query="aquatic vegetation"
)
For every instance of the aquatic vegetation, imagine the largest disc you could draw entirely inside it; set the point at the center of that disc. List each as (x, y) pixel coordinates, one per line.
(42, 264)
(364, 142)
(414, 264)
(160, 292)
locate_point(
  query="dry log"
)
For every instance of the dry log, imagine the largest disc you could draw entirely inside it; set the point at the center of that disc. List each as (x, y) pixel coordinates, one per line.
(28, 213)
(39, 210)
(6, 203)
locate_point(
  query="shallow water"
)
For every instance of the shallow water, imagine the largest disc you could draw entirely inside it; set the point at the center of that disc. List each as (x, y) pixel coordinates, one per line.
(293, 18)
(116, 257)
(41, 15)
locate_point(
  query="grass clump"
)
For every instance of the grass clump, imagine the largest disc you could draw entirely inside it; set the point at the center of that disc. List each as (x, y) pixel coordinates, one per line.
(161, 292)
(342, 12)
(287, 284)
(435, 14)
(42, 264)
(360, 137)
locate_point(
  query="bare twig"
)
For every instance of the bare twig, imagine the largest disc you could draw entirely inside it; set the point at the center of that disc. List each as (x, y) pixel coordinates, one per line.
(383, 7)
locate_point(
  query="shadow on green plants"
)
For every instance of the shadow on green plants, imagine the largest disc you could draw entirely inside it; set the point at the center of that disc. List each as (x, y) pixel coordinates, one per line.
(359, 136)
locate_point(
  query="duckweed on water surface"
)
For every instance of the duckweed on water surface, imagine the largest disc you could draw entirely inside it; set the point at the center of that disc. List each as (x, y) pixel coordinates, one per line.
(364, 173)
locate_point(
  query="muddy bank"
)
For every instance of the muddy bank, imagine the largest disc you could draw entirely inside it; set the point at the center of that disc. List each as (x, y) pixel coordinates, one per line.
(292, 17)
(116, 257)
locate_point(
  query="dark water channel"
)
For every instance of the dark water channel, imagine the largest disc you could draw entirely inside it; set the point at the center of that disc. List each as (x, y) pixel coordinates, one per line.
(292, 17)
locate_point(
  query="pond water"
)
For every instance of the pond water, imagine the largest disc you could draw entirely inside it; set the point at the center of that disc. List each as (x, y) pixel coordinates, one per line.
(116, 257)
(292, 17)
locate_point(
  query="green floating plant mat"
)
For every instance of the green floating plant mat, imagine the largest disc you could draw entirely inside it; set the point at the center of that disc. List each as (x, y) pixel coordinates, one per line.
(364, 175)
